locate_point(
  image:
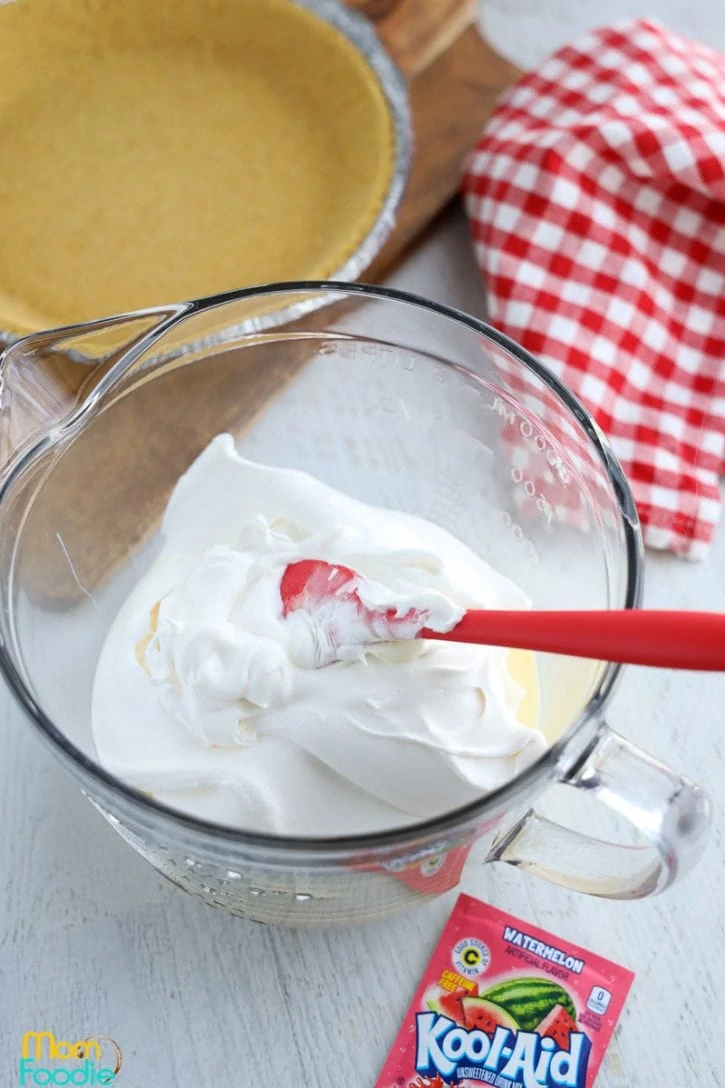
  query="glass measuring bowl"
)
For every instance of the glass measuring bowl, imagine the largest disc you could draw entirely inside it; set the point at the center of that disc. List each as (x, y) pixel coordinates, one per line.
(395, 401)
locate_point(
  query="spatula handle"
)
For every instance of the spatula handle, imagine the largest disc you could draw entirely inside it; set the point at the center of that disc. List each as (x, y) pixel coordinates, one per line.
(674, 640)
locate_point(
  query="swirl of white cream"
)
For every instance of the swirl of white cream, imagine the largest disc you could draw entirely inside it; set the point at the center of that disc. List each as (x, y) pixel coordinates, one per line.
(210, 673)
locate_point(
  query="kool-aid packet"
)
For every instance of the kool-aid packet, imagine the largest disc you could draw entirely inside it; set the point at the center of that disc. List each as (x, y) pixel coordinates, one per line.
(503, 1002)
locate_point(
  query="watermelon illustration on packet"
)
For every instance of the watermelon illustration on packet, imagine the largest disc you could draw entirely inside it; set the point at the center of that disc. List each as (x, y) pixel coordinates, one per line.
(504, 1003)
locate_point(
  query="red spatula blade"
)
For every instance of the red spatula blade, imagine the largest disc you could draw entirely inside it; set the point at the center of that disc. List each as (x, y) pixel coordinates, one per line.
(309, 582)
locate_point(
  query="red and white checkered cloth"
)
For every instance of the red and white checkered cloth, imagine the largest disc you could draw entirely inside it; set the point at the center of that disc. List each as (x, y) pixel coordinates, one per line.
(597, 205)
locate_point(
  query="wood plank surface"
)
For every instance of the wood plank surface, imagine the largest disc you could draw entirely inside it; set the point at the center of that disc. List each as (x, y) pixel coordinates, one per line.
(93, 940)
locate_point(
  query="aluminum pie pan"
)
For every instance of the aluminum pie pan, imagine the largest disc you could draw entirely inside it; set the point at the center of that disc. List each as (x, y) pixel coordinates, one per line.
(359, 32)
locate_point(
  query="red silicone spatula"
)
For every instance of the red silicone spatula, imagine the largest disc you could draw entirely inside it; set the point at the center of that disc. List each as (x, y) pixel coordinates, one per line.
(674, 640)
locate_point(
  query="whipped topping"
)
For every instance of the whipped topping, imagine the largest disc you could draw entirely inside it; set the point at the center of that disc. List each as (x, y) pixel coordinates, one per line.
(209, 697)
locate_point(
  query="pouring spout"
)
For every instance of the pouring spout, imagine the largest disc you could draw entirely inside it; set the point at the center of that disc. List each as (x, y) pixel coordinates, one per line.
(49, 379)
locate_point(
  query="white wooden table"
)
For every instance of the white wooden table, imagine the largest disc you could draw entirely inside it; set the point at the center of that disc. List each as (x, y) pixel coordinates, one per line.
(92, 940)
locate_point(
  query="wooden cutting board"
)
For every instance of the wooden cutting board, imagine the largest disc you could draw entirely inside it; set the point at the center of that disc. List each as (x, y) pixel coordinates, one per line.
(454, 77)
(88, 516)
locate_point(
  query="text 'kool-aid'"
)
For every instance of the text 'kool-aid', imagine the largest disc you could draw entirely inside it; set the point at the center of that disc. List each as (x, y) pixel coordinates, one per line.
(506, 1004)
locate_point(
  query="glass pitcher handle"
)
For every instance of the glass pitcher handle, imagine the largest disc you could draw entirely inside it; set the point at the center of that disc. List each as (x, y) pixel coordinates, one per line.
(48, 378)
(662, 805)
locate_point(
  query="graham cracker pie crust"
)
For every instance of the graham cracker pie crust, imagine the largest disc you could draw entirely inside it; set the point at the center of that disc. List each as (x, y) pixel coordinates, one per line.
(166, 151)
